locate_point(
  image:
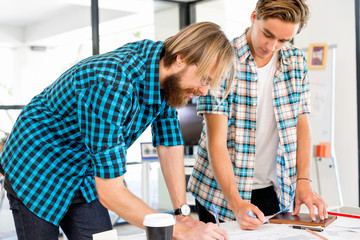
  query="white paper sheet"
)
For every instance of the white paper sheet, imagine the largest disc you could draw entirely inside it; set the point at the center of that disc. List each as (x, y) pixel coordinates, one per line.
(267, 231)
(107, 235)
(340, 229)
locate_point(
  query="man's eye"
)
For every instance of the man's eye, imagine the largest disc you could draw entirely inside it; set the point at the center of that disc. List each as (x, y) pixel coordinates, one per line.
(267, 35)
(205, 81)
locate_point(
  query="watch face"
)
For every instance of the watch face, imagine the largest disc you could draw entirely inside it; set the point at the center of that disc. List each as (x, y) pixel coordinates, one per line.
(185, 210)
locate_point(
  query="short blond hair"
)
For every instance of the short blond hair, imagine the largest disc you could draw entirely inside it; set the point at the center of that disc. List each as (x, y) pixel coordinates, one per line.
(203, 44)
(293, 11)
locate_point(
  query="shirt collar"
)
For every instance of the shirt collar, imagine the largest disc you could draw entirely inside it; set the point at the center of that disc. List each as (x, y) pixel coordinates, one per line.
(152, 93)
(242, 48)
(285, 55)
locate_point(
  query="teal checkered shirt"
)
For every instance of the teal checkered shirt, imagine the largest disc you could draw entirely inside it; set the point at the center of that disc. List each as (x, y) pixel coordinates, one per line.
(82, 124)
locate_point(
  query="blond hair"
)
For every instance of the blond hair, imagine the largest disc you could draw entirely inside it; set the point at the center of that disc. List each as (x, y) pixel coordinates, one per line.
(204, 44)
(293, 11)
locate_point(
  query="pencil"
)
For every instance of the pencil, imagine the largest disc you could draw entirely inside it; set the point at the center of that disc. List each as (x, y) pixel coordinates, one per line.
(316, 234)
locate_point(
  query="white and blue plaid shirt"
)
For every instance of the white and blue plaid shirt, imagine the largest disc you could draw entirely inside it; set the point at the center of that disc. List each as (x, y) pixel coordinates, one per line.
(291, 97)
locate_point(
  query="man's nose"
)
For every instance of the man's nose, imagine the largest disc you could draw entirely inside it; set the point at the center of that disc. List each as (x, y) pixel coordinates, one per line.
(204, 90)
(271, 45)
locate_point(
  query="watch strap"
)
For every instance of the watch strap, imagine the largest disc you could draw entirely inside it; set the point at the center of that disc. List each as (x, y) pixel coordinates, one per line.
(177, 211)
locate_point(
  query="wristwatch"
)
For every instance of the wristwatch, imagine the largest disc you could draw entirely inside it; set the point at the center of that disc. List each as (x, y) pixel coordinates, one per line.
(183, 210)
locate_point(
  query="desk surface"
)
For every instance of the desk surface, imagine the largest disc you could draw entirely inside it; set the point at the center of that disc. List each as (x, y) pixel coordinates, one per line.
(341, 228)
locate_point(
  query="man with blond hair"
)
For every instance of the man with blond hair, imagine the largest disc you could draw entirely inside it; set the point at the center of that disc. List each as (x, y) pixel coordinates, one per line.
(65, 159)
(255, 150)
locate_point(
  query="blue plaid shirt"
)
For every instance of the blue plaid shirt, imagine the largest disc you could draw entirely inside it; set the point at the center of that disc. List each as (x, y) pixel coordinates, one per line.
(82, 124)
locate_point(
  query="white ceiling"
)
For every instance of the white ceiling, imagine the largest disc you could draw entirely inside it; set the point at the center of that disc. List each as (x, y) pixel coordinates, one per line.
(28, 21)
(28, 12)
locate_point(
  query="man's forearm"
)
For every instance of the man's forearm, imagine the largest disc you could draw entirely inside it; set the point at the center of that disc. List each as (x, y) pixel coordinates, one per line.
(116, 197)
(303, 152)
(172, 166)
(216, 129)
(224, 175)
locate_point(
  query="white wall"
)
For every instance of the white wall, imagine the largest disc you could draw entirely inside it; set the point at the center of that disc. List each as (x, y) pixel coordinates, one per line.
(335, 24)
(232, 15)
(10, 35)
(166, 20)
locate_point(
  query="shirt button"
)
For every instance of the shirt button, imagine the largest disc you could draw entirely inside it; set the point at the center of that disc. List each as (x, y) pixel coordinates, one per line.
(254, 104)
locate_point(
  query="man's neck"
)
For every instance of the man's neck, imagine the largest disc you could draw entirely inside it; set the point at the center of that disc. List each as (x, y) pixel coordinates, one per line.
(260, 62)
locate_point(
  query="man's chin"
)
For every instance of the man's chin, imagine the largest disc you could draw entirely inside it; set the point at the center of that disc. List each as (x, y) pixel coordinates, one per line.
(178, 104)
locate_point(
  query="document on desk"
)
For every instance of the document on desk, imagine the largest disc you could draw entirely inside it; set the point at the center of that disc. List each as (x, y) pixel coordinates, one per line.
(341, 228)
(267, 231)
(345, 224)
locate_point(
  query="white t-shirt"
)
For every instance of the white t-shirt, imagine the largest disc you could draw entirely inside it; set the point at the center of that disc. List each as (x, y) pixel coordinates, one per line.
(266, 136)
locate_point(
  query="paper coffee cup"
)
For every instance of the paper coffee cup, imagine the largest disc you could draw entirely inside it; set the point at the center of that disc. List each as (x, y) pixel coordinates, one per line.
(159, 226)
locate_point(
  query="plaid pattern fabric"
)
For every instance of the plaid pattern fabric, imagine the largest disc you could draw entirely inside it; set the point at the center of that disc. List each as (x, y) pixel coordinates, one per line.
(82, 125)
(290, 99)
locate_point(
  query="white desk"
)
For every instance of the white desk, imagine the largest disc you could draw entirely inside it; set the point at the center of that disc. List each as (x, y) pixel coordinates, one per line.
(341, 228)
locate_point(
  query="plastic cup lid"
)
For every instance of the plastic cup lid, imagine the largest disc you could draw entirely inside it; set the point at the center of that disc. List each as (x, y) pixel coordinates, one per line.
(159, 220)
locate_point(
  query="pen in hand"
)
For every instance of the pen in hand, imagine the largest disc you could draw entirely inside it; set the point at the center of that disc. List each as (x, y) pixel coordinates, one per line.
(215, 213)
(254, 216)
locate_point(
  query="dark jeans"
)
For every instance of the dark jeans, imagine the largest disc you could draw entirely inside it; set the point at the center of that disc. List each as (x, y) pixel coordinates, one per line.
(204, 214)
(80, 222)
(265, 199)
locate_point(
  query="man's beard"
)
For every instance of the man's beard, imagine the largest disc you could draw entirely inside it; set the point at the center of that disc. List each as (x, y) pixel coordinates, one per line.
(176, 96)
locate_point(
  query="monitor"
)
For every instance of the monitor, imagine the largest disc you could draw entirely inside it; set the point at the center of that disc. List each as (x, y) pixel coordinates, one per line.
(190, 124)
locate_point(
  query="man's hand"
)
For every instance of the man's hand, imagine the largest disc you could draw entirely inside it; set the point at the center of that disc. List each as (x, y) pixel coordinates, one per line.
(201, 232)
(188, 221)
(305, 195)
(245, 221)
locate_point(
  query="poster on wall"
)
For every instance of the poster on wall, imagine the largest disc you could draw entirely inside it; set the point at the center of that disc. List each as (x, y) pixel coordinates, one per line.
(317, 56)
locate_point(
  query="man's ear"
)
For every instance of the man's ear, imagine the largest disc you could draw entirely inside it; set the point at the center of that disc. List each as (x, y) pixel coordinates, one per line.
(179, 60)
(253, 16)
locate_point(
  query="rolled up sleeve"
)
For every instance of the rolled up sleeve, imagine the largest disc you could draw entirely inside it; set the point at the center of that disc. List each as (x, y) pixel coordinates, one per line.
(166, 129)
(304, 107)
(101, 110)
